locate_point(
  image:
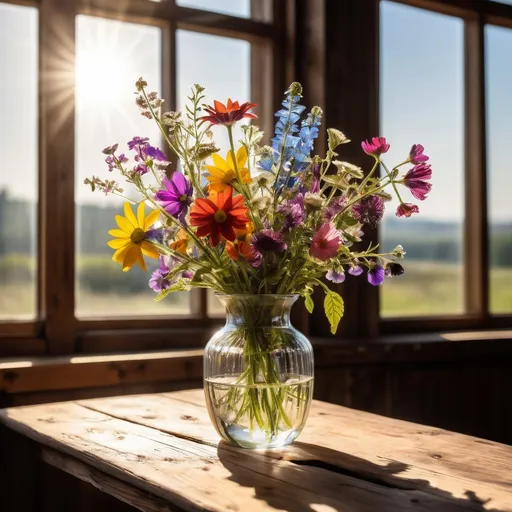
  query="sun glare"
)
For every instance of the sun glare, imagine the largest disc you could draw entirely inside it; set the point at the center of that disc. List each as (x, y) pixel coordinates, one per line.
(97, 80)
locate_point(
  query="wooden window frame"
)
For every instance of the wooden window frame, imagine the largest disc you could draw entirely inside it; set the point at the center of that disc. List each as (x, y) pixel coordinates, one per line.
(476, 14)
(56, 330)
(334, 76)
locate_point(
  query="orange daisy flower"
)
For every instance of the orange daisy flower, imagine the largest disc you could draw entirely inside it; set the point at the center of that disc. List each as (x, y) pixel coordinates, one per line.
(228, 114)
(219, 215)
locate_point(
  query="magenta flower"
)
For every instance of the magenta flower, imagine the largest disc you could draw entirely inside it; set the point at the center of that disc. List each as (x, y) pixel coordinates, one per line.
(376, 275)
(415, 181)
(268, 241)
(416, 155)
(176, 196)
(325, 242)
(406, 210)
(376, 147)
(334, 276)
(369, 210)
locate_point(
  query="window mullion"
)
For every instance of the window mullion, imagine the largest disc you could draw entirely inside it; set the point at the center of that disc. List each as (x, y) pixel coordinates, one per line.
(56, 183)
(476, 240)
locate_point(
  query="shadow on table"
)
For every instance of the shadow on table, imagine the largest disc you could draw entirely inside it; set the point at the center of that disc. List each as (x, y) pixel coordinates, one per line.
(316, 477)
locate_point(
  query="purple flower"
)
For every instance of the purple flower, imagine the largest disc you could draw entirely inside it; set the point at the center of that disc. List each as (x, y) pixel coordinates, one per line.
(111, 162)
(415, 181)
(176, 196)
(267, 241)
(137, 142)
(376, 147)
(141, 169)
(159, 279)
(369, 210)
(416, 155)
(155, 154)
(335, 276)
(376, 275)
(394, 269)
(406, 210)
(293, 211)
(335, 207)
(355, 270)
(187, 274)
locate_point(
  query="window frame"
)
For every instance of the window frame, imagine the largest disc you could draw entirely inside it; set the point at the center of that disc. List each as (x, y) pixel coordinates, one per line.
(56, 330)
(475, 15)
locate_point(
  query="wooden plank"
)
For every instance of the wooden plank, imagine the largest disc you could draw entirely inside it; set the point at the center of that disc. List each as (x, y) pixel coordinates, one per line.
(196, 476)
(431, 460)
(120, 490)
(127, 340)
(44, 374)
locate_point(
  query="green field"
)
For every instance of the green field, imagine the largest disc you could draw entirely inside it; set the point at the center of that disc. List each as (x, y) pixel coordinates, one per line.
(425, 289)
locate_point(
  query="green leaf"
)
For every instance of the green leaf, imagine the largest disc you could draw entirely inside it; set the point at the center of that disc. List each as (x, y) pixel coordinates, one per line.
(308, 301)
(336, 138)
(334, 309)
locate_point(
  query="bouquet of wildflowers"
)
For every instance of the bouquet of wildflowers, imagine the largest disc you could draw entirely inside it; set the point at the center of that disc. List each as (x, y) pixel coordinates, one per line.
(263, 219)
(259, 220)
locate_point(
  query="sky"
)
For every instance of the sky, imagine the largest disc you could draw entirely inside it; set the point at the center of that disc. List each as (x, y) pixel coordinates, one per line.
(421, 94)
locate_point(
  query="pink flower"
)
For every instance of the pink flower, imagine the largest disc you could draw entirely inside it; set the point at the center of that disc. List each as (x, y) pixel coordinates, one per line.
(416, 155)
(377, 146)
(415, 180)
(406, 210)
(325, 242)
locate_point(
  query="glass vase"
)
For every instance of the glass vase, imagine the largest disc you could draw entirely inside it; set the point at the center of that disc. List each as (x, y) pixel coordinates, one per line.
(258, 373)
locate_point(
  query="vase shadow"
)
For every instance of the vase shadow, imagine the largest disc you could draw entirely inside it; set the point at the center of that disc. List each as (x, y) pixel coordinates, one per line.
(308, 478)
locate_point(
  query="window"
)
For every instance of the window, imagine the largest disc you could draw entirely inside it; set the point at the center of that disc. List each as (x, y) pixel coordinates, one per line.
(18, 177)
(443, 76)
(499, 112)
(420, 105)
(90, 59)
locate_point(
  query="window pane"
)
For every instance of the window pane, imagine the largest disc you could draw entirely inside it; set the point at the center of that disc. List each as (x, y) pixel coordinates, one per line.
(499, 113)
(240, 8)
(202, 59)
(422, 95)
(19, 149)
(110, 56)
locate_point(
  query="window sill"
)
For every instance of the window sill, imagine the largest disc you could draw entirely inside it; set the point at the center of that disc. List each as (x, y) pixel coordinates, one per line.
(54, 373)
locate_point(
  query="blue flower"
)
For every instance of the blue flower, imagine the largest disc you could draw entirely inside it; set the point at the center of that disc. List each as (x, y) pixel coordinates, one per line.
(291, 145)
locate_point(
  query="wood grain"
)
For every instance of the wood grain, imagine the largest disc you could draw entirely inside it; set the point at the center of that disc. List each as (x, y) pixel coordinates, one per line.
(162, 446)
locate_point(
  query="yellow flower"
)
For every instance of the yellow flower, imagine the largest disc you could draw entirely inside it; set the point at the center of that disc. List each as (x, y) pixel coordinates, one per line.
(130, 239)
(223, 173)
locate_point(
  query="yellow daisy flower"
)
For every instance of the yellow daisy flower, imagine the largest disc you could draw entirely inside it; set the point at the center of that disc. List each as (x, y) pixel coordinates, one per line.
(223, 174)
(130, 240)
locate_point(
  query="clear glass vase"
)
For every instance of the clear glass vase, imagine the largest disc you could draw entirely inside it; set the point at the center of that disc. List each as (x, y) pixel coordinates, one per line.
(258, 373)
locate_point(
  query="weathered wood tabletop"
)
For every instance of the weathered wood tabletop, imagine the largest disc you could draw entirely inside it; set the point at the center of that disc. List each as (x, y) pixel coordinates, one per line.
(159, 452)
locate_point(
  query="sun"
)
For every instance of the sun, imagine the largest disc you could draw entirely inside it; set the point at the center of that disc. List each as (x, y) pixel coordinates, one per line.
(98, 82)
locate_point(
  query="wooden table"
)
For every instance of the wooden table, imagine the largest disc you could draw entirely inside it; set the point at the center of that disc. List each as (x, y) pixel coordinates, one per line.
(159, 452)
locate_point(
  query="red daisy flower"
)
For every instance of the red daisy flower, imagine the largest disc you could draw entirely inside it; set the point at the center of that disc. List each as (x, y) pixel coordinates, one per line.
(219, 215)
(228, 114)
